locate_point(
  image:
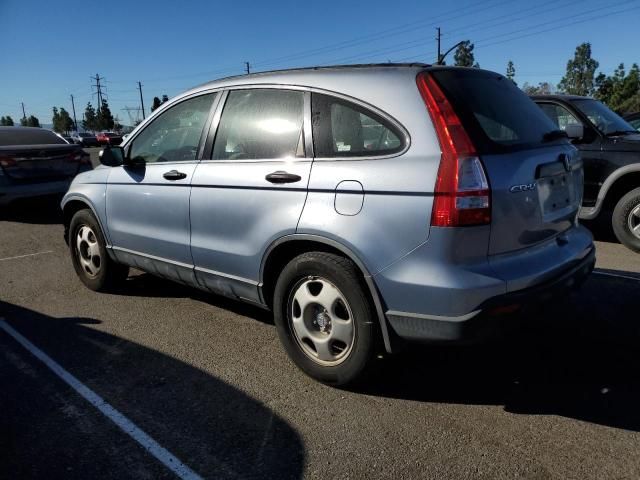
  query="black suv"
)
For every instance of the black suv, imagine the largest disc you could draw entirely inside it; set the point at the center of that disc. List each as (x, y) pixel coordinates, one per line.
(610, 150)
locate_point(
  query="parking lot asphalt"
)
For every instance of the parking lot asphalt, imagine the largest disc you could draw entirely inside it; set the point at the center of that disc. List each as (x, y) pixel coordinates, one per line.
(206, 378)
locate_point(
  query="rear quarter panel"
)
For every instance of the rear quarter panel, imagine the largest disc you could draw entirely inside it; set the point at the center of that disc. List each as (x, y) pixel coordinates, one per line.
(397, 191)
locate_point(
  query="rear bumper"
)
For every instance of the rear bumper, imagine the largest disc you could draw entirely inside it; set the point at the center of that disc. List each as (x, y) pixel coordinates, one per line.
(484, 321)
(9, 193)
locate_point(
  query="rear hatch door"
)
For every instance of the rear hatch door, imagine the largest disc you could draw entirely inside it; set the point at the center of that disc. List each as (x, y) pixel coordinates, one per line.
(535, 174)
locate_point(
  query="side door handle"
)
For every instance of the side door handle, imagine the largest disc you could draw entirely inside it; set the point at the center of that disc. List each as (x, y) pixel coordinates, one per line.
(174, 175)
(282, 177)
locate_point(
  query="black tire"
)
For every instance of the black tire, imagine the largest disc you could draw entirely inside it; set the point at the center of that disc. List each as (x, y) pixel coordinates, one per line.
(621, 218)
(108, 273)
(342, 274)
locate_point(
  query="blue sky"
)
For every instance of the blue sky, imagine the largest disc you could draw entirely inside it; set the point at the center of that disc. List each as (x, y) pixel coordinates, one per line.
(49, 49)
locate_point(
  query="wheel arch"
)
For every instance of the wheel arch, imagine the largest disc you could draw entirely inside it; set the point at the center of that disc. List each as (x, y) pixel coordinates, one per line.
(620, 186)
(627, 177)
(286, 248)
(73, 204)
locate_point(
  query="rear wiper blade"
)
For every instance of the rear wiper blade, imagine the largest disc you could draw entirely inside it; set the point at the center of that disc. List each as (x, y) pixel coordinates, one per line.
(554, 135)
(620, 132)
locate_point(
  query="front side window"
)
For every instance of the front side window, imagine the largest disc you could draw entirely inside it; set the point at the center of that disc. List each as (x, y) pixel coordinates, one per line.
(175, 135)
(559, 115)
(344, 129)
(260, 124)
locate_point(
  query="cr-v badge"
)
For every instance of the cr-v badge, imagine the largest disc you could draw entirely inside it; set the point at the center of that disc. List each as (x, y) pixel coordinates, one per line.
(522, 188)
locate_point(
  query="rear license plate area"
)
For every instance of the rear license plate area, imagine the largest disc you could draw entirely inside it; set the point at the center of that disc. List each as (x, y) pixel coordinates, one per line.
(555, 193)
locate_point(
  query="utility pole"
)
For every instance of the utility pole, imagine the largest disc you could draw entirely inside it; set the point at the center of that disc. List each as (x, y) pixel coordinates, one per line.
(438, 39)
(141, 100)
(24, 115)
(73, 107)
(248, 67)
(98, 90)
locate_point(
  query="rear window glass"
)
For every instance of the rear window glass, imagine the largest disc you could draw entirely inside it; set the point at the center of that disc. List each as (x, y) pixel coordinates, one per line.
(18, 136)
(495, 112)
(343, 129)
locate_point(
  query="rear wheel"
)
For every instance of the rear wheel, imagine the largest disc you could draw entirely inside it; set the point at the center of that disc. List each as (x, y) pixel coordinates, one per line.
(626, 220)
(89, 254)
(324, 317)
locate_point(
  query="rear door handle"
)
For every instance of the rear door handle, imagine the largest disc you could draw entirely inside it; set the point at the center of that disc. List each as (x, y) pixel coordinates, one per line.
(174, 175)
(283, 177)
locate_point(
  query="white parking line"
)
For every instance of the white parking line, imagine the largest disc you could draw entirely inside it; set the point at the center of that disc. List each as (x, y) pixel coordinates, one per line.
(628, 277)
(23, 256)
(148, 443)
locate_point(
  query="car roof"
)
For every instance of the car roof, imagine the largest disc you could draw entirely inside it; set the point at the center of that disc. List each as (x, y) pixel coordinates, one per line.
(14, 128)
(559, 96)
(339, 69)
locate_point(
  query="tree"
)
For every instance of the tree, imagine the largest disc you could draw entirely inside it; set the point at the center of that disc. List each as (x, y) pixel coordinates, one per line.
(580, 76)
(543, 88)
(105, 118)
(90, 121)
(31, 121)
(55, 119)
(156, 103)
(620, 91)
(464, 55)
(61, 120)
(6, 121)
(511, 71)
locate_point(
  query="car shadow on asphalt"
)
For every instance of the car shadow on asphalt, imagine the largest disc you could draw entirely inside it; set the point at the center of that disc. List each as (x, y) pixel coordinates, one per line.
(601, 228)
(41, 210)
(141, 284)
(214, 428)
(577, 358)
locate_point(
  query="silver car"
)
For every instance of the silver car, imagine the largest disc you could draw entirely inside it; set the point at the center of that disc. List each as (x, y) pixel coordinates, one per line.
(366, 206)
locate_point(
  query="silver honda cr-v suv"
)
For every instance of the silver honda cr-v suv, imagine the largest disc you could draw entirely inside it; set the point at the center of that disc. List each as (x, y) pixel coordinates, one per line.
(365, 205)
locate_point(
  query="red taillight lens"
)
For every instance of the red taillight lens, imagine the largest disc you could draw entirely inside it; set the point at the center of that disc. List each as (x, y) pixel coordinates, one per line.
(462, 196)
(74, 157)
(7, 162)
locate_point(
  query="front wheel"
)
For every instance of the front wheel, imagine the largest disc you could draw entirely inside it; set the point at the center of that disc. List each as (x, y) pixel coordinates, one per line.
(626, 220)
(89, 254)
(324, 317)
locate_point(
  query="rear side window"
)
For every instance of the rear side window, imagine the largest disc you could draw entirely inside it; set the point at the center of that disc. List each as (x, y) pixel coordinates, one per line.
(18, 136)
(495, 112)
(344, 129)
(260, 124)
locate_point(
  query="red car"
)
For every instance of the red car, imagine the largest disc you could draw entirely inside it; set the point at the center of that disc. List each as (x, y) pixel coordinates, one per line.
(109, 138)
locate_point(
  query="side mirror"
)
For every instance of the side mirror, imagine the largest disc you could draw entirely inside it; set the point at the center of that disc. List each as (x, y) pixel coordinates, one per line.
(112, 156)
(575, 131)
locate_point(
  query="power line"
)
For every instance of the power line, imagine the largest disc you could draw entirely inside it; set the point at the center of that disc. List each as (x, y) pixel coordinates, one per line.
(563, 21)
(399, 30)
(424, 41)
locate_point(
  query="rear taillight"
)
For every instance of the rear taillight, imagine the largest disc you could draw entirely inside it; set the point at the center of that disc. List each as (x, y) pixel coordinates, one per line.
(462, 196)
(74, 157)
(7, 162)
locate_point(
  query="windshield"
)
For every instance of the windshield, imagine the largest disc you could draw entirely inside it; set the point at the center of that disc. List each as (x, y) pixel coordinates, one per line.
(603, 119)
